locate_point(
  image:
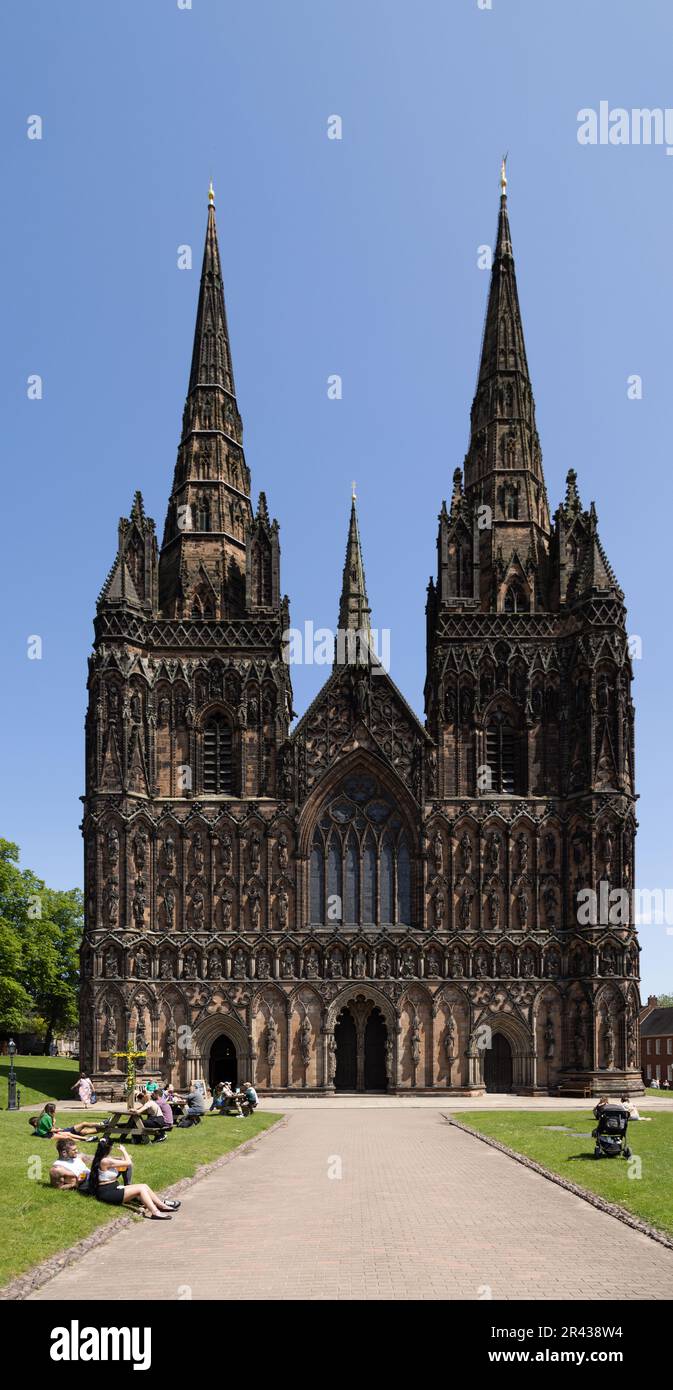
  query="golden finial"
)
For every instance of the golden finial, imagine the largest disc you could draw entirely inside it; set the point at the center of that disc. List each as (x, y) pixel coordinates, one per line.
(503, 177)
(353, 492)
(211, 195)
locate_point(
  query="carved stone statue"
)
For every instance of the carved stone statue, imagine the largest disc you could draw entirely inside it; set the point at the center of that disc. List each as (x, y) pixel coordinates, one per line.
(255, 901)
(215, 965)
(198, 907)
(197, 854)
(170, 906)
(139, 903)
(359, 963)
(550, 901)
(255, 847)
(226, 910)
(550, 851)
(287, 964)
(609, 1040)
(522, 852)
(169, 854)
(494, 908)
(142, 965)
(415, 1042)
(312, 964)
(549, 1039)
(112, 847)
(331, 1058)
(305, 1037)
(282, 851)
(465, 909)
(283, 905)
(191, 966)
(439, 903)
(456, 965)
(493, 853)
(139, 847)
(465, 853)
(336, 964)
(383, 964)
(165, 968)
(450, 1037)
(239, 965)
(227, 854)
(271, 1041)
(438, 852)
(111, 966)
(111, 902)
(522, 907)
(171, 1045)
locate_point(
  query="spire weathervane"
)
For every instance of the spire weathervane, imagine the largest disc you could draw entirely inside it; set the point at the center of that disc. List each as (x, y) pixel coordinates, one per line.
(353, 492)
(503, 176)
(211, 194)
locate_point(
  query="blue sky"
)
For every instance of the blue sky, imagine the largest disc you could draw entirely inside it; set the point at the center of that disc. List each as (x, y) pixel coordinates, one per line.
(356, 257)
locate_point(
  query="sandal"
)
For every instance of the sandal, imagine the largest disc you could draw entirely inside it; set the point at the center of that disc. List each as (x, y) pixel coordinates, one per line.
(157, 1216)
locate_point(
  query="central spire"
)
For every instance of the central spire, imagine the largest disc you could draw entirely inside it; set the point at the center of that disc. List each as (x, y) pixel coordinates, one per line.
(354, 610)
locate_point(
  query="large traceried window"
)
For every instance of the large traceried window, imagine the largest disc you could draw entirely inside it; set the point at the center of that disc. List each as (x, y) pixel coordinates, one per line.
(360, 860)
(217, 757)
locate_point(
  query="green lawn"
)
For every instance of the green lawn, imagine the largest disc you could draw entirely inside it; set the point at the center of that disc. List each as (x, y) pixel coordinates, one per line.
(37, 1221)
(40, 1079)
(648, 1193)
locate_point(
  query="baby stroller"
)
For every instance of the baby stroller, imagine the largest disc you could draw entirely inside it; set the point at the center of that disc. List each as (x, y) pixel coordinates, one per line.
(610, 1133)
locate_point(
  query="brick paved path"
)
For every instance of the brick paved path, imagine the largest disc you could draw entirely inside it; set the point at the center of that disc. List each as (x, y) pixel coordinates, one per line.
(421, 1211)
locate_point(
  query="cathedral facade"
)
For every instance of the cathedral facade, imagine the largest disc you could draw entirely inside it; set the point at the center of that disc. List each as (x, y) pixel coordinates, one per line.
(363, 901)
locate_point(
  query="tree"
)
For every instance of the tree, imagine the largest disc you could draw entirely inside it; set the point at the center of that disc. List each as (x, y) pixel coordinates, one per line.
(665, 1001)
(40, 932)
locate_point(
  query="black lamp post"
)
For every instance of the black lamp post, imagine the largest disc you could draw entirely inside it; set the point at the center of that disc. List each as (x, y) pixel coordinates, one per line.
(12, 1102)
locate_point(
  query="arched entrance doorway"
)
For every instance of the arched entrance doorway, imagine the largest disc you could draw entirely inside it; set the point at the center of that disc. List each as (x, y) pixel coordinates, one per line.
(223, 1064)
(345, 1037)
(360, 1036)
(498, 1070)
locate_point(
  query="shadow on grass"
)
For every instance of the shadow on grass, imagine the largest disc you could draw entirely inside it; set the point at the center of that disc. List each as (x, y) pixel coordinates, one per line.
(55, 1082)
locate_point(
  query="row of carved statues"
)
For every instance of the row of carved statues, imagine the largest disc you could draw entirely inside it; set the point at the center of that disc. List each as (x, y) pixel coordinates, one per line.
(383, 962)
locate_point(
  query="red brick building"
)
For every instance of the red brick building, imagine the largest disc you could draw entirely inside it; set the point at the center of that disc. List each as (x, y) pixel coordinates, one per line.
(656, 1035)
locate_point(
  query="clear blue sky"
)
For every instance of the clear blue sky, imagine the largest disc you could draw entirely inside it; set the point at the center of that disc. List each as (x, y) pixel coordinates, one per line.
(357, 257)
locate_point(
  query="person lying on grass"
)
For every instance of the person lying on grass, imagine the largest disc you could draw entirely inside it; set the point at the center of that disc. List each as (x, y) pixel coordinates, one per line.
(101, 1180)
(46, 1128)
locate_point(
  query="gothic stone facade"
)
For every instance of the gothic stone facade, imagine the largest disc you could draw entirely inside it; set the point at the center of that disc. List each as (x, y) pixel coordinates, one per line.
(365, 902)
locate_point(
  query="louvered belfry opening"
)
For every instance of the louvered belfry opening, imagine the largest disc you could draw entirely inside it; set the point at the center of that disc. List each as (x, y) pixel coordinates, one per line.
(217, 756)
(501, 757)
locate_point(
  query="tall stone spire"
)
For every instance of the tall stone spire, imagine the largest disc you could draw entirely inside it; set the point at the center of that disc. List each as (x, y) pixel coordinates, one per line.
(354, 610)
(203, 559)
(503, 465)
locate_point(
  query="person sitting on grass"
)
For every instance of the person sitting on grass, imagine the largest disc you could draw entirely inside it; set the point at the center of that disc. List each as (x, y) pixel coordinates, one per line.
(104, 1185)
(221, 1094)
(251, 1097)
(69, 1169)
(233, 1104)
(45, 1128)
(632, 1110)
(152, 1116)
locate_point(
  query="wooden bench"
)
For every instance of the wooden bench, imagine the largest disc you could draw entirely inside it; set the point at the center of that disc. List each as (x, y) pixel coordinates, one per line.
(124, 1125)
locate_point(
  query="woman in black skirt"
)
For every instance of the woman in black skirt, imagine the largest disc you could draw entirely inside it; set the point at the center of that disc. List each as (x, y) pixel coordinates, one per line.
(104, 1185)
